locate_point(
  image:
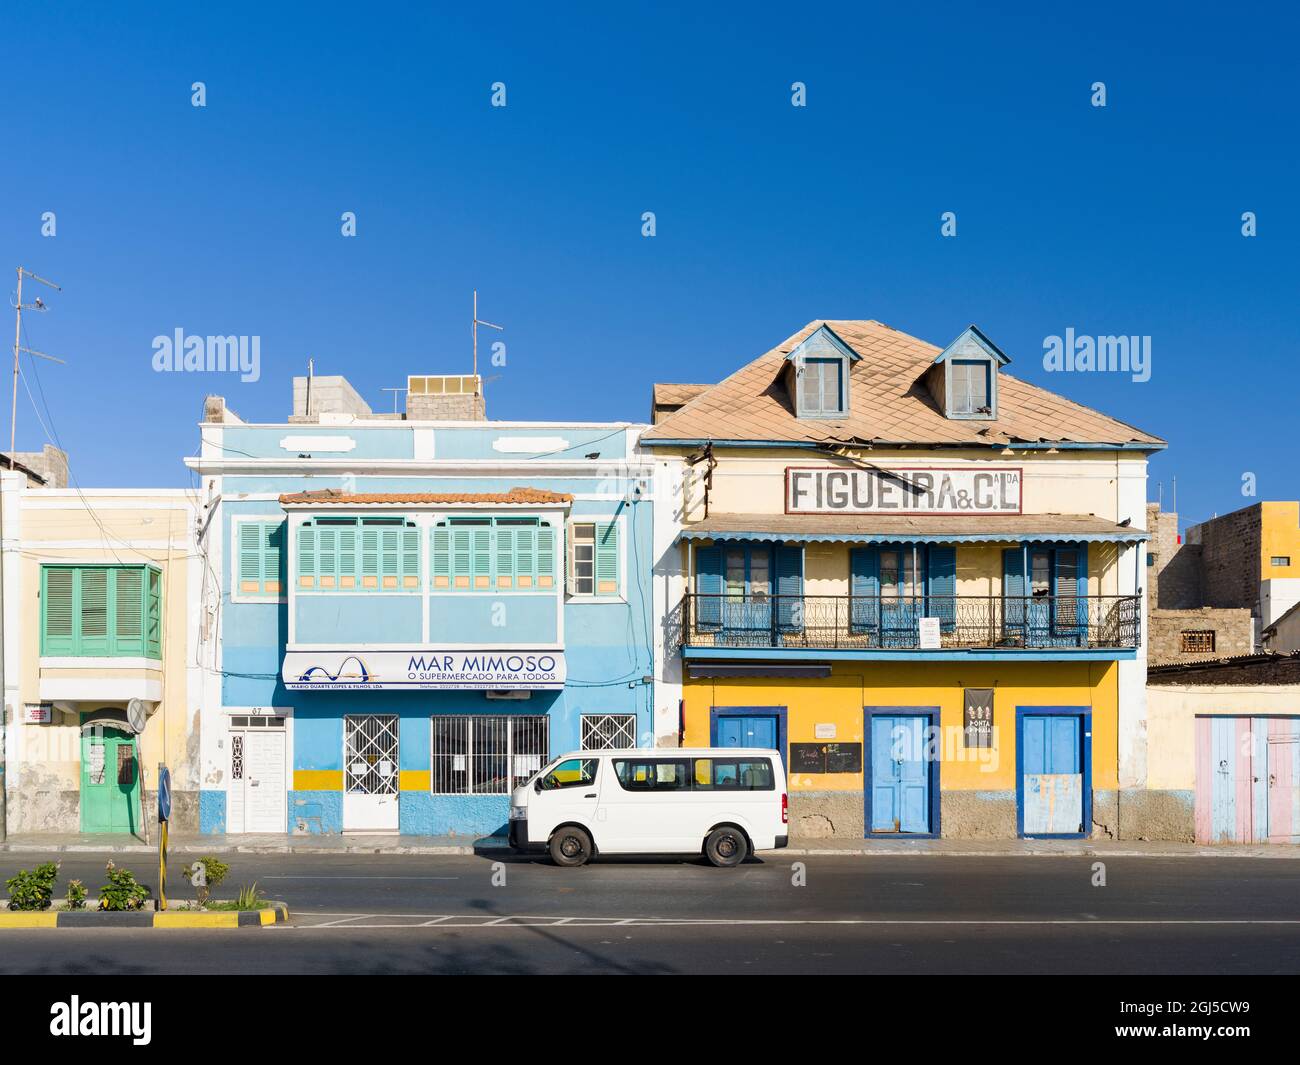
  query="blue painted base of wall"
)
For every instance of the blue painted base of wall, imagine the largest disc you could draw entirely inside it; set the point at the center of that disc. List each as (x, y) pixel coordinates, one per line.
(420, 814)
(212, 812)
(314, 813)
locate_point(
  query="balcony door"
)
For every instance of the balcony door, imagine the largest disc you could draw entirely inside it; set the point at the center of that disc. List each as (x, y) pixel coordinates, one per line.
(893, 587)
(750, 594)
(1049, 607)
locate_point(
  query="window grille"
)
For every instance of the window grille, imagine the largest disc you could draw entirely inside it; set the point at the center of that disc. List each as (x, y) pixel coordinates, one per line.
(486, 754)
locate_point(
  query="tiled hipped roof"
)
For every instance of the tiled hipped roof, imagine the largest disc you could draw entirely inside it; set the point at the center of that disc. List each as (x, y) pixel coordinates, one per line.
(888, 403)
(518, 496)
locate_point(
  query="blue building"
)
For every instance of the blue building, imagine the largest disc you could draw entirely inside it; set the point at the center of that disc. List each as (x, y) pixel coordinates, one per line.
(405, 615)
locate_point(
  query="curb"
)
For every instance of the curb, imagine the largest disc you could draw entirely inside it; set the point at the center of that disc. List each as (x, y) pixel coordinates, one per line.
(1272, 851)
(276, 913)
(254, 848)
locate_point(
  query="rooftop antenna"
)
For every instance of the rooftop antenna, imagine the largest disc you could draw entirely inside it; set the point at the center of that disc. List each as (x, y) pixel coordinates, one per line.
(478, 322)
(394, 391)
(19, 307)
(311, 372)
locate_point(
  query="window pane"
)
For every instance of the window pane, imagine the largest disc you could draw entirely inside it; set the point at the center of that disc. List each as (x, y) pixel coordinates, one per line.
(571, 773)
(1042, 572)
(760, 581)
(735, 572)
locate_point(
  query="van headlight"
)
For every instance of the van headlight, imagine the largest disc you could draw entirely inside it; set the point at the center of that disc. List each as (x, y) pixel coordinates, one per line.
(519, 813)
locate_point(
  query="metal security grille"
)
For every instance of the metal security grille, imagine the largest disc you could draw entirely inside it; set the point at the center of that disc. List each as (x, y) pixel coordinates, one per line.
(608, 731)
(370, 754)
(486, 755)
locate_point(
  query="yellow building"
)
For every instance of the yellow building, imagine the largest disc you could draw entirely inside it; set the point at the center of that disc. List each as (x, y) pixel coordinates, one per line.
(918, 578)
(101, 613)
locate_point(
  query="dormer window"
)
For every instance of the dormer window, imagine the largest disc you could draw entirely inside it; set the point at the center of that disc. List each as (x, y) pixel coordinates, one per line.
(817, 375)
(964, 378)
(970, 387)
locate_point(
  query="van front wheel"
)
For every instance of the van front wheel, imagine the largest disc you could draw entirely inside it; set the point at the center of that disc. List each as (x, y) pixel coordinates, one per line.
(726, 847)
(570, 846)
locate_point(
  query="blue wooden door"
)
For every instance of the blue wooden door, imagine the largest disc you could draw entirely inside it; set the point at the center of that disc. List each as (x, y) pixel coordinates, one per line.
(757, 730)
(900, 774)
(1052, 764)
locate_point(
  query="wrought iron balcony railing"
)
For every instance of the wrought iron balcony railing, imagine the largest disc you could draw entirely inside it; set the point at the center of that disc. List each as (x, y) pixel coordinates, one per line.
(829, 622)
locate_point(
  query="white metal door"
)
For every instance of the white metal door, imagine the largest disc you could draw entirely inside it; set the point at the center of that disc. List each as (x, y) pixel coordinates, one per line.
(264, 792)
(370, 773)
(257, 800)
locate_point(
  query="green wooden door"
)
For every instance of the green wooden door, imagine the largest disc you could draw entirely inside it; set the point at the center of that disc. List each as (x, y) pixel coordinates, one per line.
(110, 782)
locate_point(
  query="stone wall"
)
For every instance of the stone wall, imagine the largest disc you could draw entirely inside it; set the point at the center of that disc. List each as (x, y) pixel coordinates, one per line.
(1233, 633)
(1230, 547)
(1174, 574)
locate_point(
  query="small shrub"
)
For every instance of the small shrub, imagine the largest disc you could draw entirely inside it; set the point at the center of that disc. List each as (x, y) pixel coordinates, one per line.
(33, 890)
(214, 872)
(76, 895)
(250, 898)
(122, 892)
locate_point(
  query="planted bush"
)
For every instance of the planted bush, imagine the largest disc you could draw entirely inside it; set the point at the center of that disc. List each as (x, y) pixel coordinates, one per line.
(122, 892)
(214, 872)
(76, 895)
(33, 890)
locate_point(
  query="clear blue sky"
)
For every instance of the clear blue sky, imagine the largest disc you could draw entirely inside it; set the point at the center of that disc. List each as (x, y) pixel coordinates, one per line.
(225, 220)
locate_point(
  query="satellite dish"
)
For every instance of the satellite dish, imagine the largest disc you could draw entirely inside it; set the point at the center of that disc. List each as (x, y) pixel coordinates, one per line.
(137, 713)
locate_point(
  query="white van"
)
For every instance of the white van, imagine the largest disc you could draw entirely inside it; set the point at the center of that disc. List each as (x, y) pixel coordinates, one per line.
(724, 803)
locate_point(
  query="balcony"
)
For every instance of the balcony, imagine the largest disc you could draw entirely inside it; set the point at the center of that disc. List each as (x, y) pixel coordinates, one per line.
(882, 623)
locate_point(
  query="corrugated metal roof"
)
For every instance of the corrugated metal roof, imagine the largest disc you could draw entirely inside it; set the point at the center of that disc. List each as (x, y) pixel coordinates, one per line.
(889, 403)
(516, 496)
(869, 528)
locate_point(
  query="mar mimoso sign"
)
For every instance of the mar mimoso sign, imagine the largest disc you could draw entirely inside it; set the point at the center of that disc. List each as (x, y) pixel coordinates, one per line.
(991, 490)
(494, 670)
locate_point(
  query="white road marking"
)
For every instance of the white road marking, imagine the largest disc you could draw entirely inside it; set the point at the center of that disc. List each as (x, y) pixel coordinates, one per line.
(290, 877)
(412, 920)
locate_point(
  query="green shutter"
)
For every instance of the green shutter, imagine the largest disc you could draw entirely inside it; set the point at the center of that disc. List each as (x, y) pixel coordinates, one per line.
(93, 612)
(153, 615)
(462, 558)
(607, 559)
(306, 574)
(127, 637)
(411, 559)
(273, 558)
(57, 631)
(369, 558)
(440, 558)
(390, 558)
(545, 557)
(482, 558)
(347, 571)
(526, 556)
(249, 580)
(505, 559)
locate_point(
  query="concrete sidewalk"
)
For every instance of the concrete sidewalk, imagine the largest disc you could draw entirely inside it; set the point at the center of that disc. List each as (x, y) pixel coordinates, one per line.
(54, 843)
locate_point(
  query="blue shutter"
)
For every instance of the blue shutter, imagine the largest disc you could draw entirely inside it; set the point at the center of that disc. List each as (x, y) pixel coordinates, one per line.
(864, 589)
(708, 584)
(942, 586)
(789, 587)
(1013, 590)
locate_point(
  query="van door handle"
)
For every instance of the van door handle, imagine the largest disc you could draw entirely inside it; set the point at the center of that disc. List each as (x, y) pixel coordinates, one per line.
(590, 795)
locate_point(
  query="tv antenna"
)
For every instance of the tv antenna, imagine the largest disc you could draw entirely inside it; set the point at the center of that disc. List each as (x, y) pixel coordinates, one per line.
(19, 307)
(478, 322)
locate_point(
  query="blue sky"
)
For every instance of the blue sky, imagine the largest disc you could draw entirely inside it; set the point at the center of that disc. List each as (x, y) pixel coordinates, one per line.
(226, 219)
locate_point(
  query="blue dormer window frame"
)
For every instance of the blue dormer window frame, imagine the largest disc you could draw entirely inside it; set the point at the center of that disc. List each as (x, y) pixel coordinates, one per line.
(970, 385)
(821, 365)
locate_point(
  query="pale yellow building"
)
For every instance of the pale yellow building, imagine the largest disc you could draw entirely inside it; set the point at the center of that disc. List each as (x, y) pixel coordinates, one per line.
(101, 600)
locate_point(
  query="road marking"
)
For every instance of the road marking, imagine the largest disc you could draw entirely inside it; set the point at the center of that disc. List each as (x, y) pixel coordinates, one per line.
(413, 920)
(291, 877)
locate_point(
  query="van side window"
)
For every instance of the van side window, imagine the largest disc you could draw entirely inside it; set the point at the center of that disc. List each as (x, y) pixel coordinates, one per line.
(571, 773)
(652, 774)
(715, 774)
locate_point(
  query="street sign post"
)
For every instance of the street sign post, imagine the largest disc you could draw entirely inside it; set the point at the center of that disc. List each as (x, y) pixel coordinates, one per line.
(164, 814)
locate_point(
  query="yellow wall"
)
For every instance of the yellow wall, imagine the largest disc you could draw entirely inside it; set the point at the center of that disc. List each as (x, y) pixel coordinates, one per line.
(840, 698)
(1279, 535)
(1171, 717)
(117, 530)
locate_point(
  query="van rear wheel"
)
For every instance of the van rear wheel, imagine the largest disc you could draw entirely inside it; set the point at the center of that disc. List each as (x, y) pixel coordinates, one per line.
(570, 846)
(726, 846)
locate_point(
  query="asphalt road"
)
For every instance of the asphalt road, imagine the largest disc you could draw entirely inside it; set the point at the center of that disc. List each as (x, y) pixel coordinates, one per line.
(909, 914)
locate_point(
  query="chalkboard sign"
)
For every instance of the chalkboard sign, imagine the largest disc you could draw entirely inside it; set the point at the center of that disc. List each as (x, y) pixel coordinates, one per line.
(844, 758)
(826, 757)
(979, 717)
(808, 757)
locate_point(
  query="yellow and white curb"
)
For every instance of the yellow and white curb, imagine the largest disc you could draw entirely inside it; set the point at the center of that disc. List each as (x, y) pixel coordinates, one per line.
(276, 913)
